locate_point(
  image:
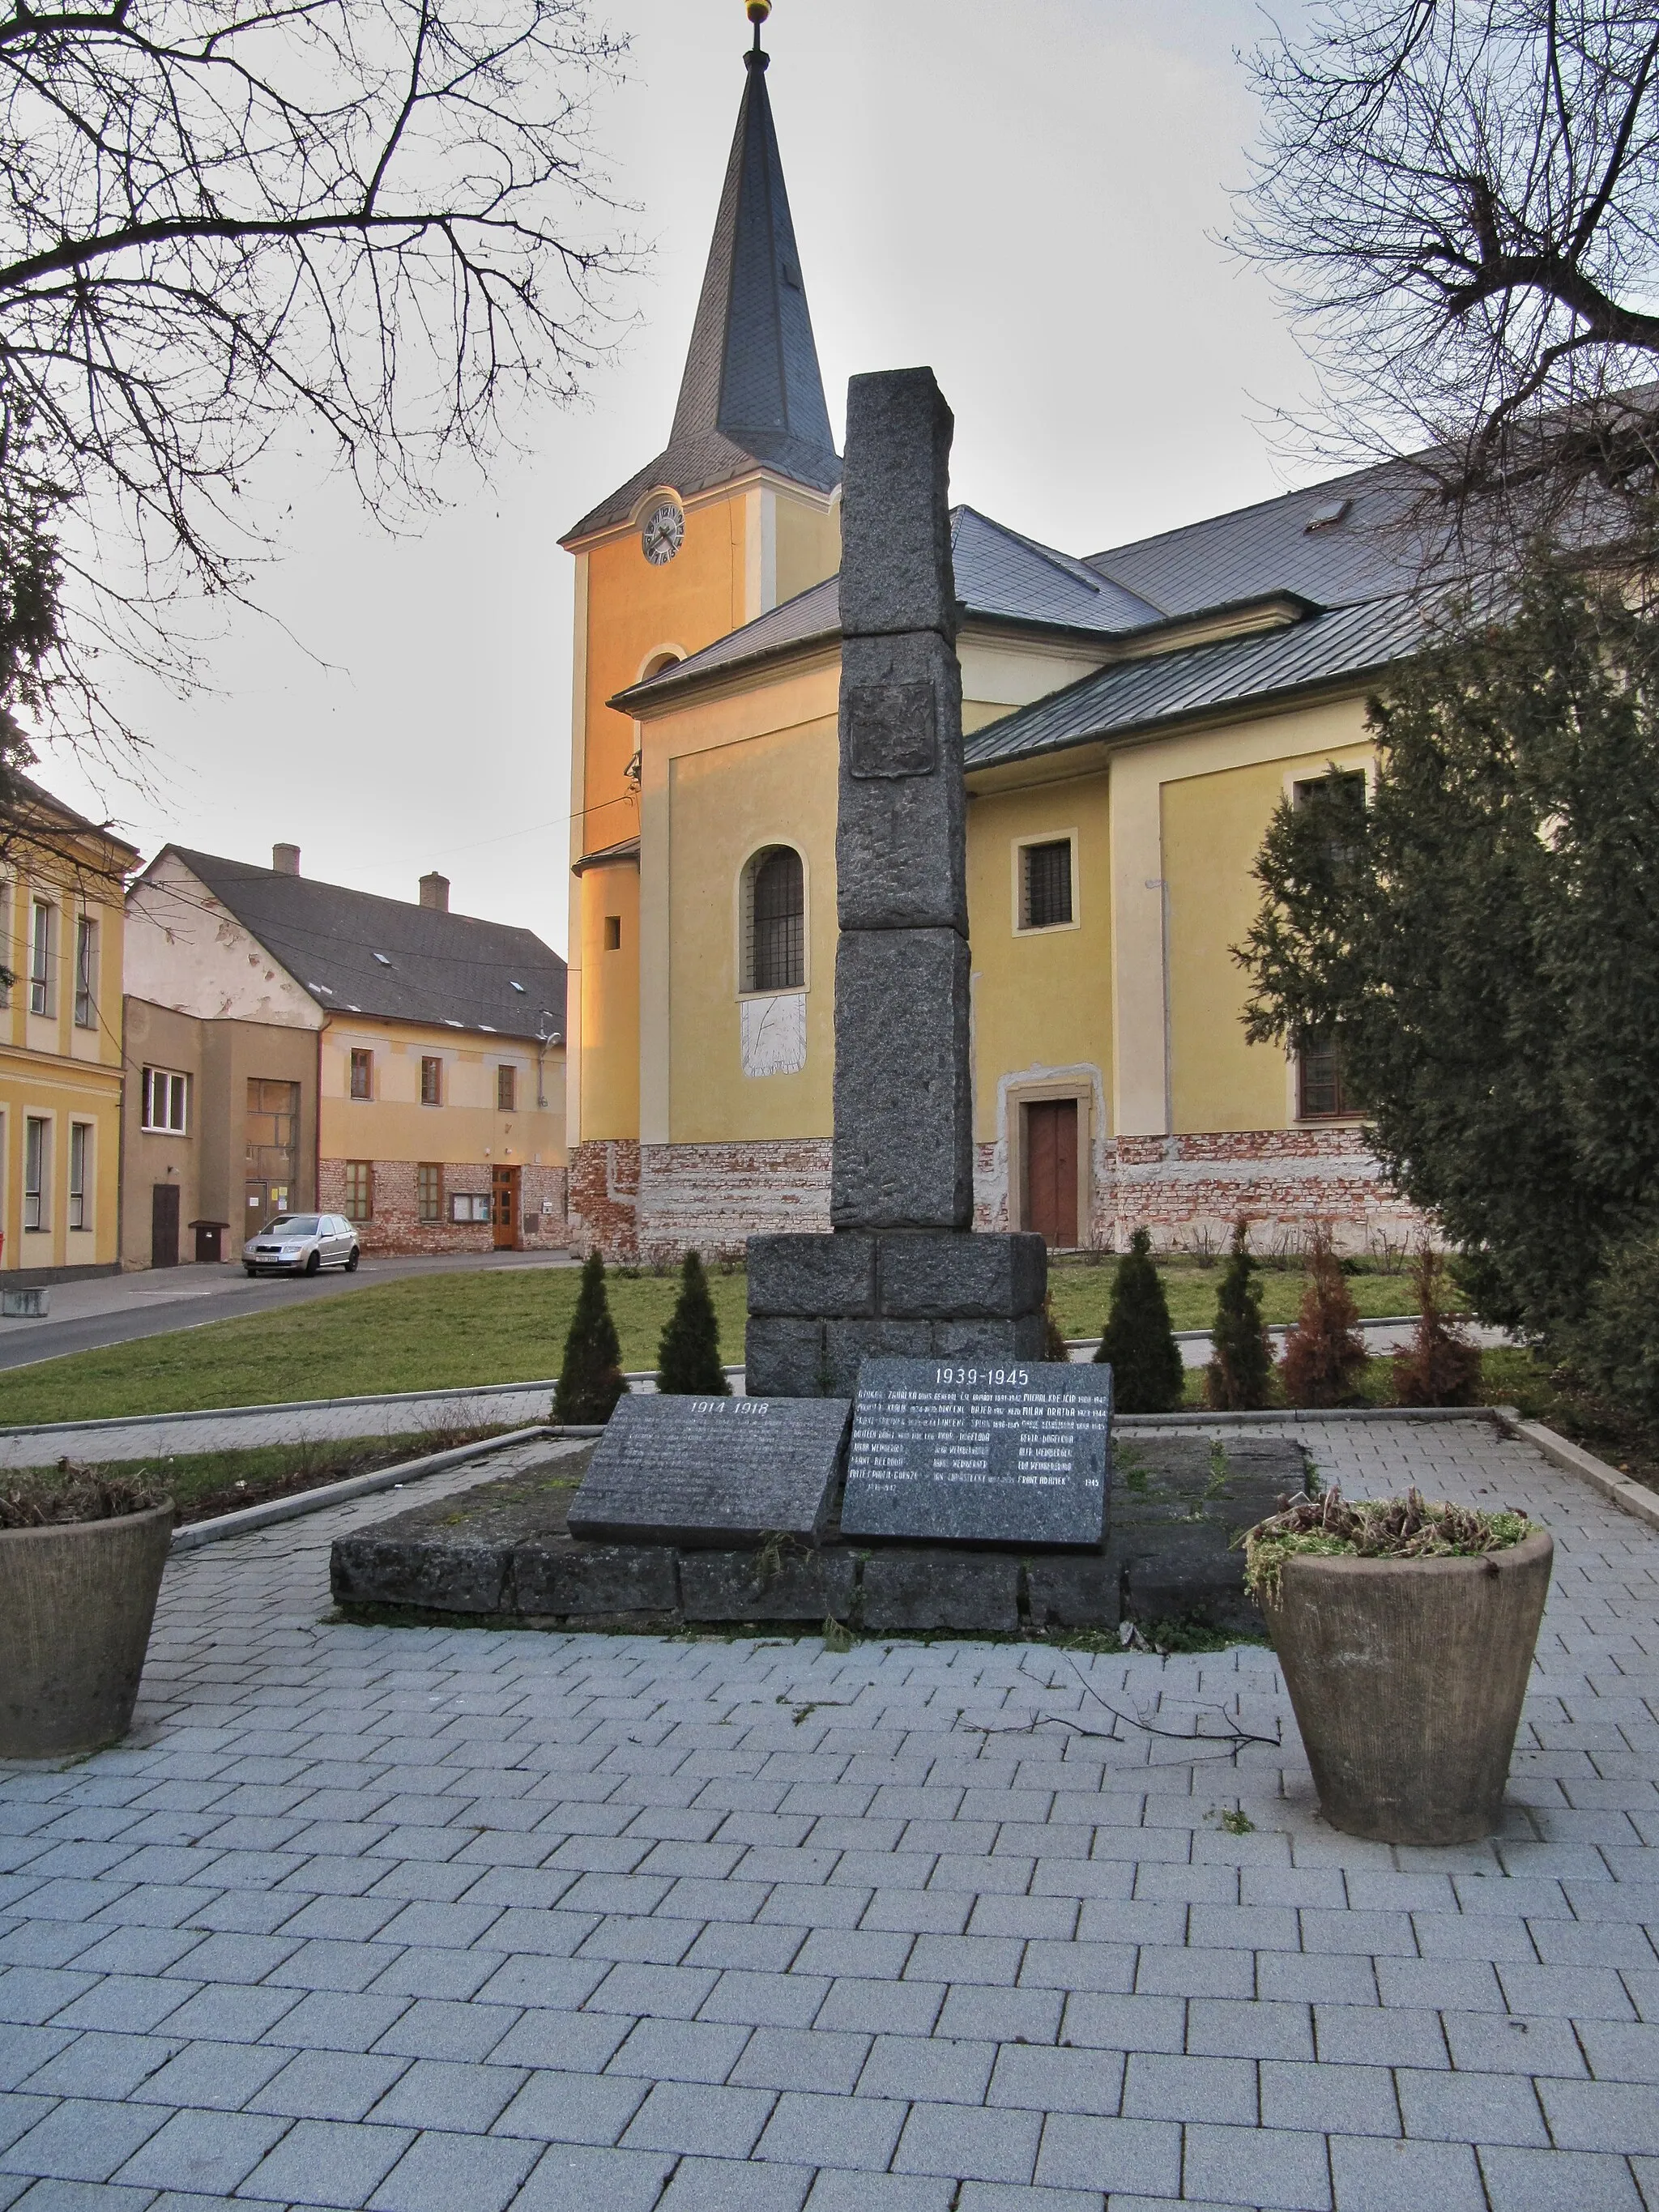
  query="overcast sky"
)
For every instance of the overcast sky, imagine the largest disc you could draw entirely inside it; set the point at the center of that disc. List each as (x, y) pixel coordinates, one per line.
(1023, 197)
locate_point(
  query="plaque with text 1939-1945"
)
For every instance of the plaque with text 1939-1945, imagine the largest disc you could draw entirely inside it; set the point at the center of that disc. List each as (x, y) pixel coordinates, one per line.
(721, 1470)
(983, 1451)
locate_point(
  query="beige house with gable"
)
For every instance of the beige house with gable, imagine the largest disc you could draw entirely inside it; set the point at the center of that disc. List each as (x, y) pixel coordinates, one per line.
(299, 1044)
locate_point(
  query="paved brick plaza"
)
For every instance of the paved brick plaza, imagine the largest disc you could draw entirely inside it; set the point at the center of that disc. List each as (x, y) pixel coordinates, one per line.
(434, 1921)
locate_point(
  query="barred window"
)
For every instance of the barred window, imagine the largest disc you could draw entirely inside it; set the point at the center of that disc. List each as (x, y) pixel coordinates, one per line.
(432, 1084)
(774, 918)
(429, 1191)
(1045, 890)
(359, 1190)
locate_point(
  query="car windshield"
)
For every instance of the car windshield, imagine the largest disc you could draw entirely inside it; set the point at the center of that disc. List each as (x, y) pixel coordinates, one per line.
(293, 1224)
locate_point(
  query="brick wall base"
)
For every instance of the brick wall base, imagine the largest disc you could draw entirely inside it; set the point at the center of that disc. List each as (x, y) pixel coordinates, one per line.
(397, 1227)
(651, 1202)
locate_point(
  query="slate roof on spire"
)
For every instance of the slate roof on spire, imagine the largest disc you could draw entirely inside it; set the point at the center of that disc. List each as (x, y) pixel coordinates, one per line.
(752, 391)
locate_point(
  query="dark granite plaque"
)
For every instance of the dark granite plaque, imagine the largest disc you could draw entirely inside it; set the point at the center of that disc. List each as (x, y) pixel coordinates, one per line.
(713, 1470)
(983, 1451)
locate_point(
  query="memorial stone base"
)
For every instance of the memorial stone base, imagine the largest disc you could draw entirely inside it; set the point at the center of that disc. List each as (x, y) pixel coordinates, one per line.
(820, 1306)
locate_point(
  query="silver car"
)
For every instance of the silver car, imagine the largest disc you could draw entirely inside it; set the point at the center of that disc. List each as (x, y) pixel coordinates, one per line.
(301, 1244)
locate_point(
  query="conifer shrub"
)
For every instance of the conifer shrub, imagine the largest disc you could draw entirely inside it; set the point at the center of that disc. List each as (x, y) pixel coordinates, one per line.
(1139, 1345)
(1441, 1365)
(689, 1351)
(1054, 1344)
(1324, 1353)
(1240, 1374)
(590, 1380)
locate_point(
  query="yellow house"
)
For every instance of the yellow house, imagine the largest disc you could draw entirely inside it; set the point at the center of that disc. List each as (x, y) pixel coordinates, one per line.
(318, 1047)
(62, 879)
(1134, 717)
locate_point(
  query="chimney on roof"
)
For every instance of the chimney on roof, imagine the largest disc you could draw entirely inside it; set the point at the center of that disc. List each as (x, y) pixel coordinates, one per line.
(285, 860)
(434, 892)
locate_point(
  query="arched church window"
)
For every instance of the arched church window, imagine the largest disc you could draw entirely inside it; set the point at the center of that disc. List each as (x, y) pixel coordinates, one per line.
(774, 921)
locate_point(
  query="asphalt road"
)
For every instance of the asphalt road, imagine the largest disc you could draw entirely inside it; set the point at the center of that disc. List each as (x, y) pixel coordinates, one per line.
(87, 1316)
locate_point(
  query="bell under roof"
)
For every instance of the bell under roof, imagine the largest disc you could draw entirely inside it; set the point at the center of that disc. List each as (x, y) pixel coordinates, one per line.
(752, 392)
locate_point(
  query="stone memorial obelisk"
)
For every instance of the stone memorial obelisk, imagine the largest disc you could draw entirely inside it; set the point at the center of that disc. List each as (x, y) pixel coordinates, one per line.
(901, 1275)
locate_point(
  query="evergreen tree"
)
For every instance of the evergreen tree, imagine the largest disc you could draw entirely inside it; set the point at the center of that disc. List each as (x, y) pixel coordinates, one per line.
(1324, 1353)
(1242, 1364)
(590, 1380)
(1054, 1344)
(688, 1355)
(1148, 1376)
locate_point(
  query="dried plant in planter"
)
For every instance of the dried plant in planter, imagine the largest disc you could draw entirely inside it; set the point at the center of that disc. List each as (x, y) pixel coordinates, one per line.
(1324, 1353)
(77, 1492)
(1409, 1527)
(1441, 1365)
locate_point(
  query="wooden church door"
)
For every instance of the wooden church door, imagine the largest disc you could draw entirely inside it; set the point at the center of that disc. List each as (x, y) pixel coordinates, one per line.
(1051, 1171)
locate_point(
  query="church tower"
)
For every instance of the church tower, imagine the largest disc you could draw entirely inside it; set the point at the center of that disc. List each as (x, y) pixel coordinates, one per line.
(738, 513)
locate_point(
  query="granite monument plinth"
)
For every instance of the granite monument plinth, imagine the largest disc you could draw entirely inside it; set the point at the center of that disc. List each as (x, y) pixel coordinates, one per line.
(713, 1470)
(980, 1451)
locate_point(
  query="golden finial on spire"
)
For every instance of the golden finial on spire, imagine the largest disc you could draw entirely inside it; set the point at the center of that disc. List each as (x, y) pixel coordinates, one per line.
(758, 10)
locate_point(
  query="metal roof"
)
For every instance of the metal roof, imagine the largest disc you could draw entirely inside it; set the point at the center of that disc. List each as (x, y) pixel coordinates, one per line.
(752, 391)
(357, 953)
(1351, 642)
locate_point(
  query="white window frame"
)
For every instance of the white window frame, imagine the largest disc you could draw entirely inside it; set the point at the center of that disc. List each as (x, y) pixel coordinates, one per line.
(744, 919)
(464, 1206)
(1018, 846)
(80, 1174)
(176, 1094)
(42, 949)
(86, 971)
(37, 1174)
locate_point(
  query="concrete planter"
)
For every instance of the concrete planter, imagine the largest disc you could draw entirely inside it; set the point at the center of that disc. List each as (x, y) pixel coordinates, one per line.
(1408, 1677)
(76, 1606)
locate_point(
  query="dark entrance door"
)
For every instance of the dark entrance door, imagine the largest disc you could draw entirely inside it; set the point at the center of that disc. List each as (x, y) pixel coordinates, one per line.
(1051, 1171)
(164, 1226)
(504, 1209)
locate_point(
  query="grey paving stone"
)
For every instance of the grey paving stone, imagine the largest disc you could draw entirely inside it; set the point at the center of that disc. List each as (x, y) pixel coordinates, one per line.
(1118, 2023)
(1350, 2100)
(231, 2013)
(882, 2008)
(1265, 2166)
(1005, 2196)
(96, 2065)
(569, 2178)
(438, 2094)
(219, 2076)
(74, 2196)
(1042, 2079)
(812, 2130)
(1557, 2181)
(1480, 2043)
(1621, 2116)
(580, 2042)
(680, 2050)
(1353, 2035)
(929, 2068)
(1131, 2157)
(699, 2122)
(880, 2192)
(24, 2049)
(81, 2141)
(1482, 2108)
(206, 2152)
(439, 2172)
(573, 2108)
(323, 2162)
(969, 2143)
(716, 2184)
(1159, 2087)
(1372, 2175)
(436, 2028)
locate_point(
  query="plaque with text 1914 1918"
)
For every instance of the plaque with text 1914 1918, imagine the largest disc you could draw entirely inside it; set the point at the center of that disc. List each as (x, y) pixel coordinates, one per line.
(980, 1451)
(719, 1471)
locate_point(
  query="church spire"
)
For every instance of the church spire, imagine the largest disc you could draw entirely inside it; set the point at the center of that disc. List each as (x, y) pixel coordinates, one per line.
(752, 391)
(752, 370)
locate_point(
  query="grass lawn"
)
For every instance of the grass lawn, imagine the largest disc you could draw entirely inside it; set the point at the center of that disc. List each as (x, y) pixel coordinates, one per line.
(437, 1331)
(203, 1484)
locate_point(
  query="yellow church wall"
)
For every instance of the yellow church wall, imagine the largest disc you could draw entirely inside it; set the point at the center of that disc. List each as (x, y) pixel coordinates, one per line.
(723, 804)
(1042, 999)
(808, 537)
(609, 1062)
(1211, 795)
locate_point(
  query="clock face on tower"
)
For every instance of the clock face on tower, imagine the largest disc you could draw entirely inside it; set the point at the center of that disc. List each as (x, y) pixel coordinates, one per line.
(664, 527)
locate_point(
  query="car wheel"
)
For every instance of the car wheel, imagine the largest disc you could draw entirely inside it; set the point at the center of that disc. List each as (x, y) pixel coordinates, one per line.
(313, 1262)
(249, 1271)
(351, 1264)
